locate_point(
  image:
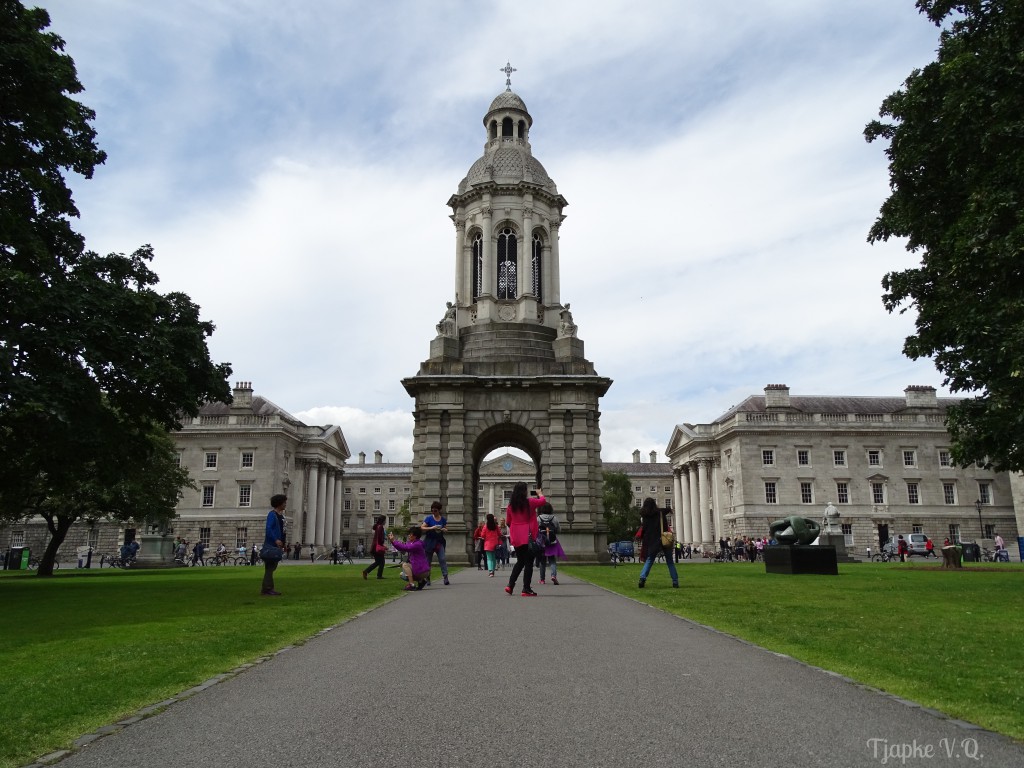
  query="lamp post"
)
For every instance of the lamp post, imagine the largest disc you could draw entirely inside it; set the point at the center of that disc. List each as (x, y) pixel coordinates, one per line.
(977, 506)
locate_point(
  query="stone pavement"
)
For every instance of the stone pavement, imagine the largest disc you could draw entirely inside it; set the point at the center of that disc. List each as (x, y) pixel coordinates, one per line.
(468, 676)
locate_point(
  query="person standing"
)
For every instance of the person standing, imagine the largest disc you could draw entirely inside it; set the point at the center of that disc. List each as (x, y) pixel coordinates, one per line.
(547, 524)
(478, 545)
(273, 543)
(653, 522)
(377, 548)
(312, 553)
(521, 515)
(434, 527)
(492, 542)
(197, 553)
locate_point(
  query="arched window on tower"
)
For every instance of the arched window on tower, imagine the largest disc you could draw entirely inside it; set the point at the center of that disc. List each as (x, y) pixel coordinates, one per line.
(522, 129)
(506, 128)
(478, 265)
(493, 131)
(536, 261)
(507, 264)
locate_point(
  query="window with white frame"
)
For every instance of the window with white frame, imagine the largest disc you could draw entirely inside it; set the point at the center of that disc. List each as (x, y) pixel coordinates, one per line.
(847, 529)
(839, 457)
(768, 457)
(362, 505)
(842, 492)
(348, 490)
(392, 490)
(360, 523)
(204, 536)
(668, 503)
(945, 460)
(248, 460)
(985, 493)
(654, 489)
(909, 458)
(245, 495)
(878, 493)
(210, 462)
(954, 532)
(806, 493)
(376, 505)
(913, 494)
(391, 521)
(94, 537)
(874, 458)
(346, 521)
(392, 505)
(668, 489)
(405, 490)
(638, 489)
(241, 537)
(208, 495)
(377, 491)
(771, 492)
(17, 538)
(177, 459)
(990, 531)
(803, 457)
(637, 503)
(362, 490)
(348, 505)
(916, 528)
(949, 493)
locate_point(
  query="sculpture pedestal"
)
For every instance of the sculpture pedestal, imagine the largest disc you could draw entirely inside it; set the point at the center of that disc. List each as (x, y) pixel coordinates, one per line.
(793, 559)
(156, 551)
(838, 542)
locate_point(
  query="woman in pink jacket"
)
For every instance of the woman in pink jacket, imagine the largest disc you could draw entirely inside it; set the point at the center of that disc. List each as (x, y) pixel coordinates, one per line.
(522, 526)
(492, 539)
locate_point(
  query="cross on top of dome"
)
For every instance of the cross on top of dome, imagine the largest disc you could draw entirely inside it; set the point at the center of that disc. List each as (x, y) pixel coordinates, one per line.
(508, 69)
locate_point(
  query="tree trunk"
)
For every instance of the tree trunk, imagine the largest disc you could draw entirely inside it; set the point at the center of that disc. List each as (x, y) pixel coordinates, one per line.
(59, 526)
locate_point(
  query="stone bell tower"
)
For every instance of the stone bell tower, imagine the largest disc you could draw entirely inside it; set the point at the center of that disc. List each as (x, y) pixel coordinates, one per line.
(506, 368)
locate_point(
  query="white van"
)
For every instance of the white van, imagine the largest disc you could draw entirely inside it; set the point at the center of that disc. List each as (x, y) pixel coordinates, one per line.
(917, 544)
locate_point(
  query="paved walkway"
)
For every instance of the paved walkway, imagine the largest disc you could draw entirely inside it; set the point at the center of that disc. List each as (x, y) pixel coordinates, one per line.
(467, 676)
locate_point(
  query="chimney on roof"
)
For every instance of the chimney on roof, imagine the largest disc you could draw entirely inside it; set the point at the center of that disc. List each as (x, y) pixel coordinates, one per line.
(776, 396)
(636, 456)
(378, 457)
(362, 457)
(921, 397)
(654, 457)
(242, 395)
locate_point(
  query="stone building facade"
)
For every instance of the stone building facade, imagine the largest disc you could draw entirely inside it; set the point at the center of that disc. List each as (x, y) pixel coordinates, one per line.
(239, 455)
(883, 461)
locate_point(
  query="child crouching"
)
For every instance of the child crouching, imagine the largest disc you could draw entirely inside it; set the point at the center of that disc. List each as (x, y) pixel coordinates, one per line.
(417, 569)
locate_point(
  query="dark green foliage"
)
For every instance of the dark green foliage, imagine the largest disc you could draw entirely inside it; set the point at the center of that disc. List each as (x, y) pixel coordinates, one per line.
(95, 365)
(620, 514)
(956, 165)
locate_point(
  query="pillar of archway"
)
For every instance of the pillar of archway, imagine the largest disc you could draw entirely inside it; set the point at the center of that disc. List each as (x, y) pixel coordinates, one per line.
(507, 366)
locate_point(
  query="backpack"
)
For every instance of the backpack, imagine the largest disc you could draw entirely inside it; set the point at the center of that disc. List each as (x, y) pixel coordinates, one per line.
(547, 532)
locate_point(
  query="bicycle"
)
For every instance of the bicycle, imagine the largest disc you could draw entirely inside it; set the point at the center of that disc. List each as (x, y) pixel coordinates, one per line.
(34, 562)
(885, 556)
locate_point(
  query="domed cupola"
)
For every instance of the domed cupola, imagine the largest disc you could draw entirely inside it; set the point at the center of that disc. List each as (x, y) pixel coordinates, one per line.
(507, 157)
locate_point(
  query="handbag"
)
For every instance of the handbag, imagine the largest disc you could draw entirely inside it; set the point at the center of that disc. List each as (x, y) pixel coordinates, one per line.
(271, 553)
(667, 537)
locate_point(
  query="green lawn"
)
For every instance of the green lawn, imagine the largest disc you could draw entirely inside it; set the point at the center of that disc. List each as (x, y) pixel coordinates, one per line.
(87, 648)
(950, 640)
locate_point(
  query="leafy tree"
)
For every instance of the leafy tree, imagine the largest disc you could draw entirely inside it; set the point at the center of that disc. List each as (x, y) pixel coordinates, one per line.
(95, 365)
(620, 515)
(956, 166)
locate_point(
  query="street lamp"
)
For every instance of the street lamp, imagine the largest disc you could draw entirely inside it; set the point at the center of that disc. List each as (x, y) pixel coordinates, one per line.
(977, 506)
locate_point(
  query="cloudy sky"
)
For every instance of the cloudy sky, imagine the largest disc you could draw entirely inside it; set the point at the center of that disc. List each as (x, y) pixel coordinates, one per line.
(290, 162)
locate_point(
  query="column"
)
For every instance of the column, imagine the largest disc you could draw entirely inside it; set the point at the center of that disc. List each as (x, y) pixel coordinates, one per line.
(311, 484)
(490, 498)
(553, 274)
(488, 288)
(339, 494)
(715, 496)
(682, 492)
(695, 505)
(321, 507)
(331, 478)
(460, 262)
(525, 255)
(705, 512)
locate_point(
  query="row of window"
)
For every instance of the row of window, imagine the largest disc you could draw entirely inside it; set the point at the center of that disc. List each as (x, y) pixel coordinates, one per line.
(211, 460)
(909, 457)
(878, 493)
(377, 490)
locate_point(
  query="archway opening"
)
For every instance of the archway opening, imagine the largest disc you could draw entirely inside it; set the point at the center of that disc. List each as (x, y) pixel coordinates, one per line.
(503, 456)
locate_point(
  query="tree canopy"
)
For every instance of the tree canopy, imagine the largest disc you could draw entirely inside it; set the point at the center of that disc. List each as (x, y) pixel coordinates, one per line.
(956, 166)
(95, 365)
(620, 514)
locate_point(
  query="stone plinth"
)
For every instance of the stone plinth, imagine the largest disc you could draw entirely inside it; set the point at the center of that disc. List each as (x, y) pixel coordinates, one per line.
(838, 541)
(444, 348)
(155, 551)
(794, 559)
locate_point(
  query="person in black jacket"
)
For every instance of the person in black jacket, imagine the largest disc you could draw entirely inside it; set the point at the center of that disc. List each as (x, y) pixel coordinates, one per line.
(653, 522)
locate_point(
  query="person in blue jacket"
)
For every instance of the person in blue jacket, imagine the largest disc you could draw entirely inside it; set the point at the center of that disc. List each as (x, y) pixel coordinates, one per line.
(273, 542)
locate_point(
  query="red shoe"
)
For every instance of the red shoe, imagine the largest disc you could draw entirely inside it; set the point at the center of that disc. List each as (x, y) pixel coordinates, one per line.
(508, 590)
(554, 581)
(528, 593)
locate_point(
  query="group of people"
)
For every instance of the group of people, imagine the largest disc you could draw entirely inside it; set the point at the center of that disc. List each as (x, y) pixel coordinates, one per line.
(742, 548)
